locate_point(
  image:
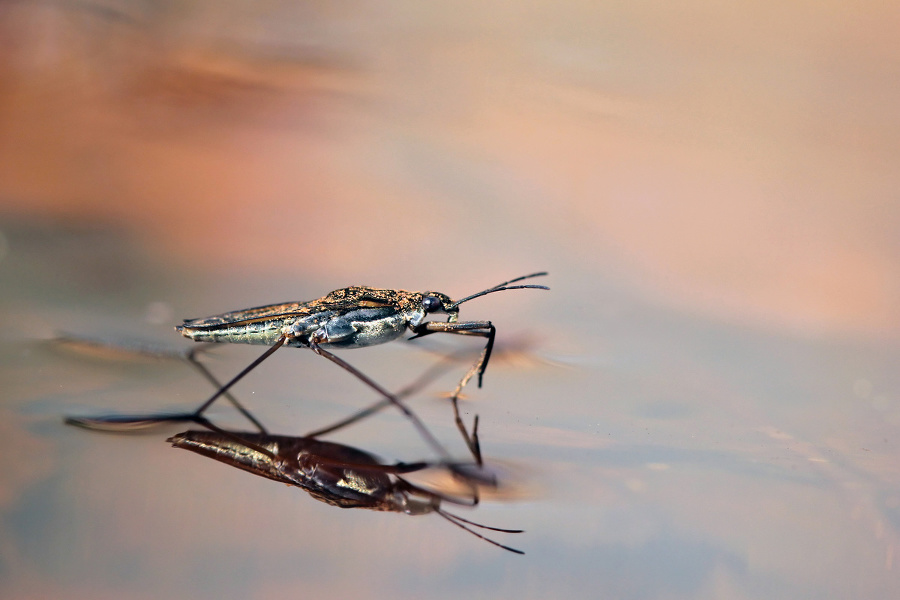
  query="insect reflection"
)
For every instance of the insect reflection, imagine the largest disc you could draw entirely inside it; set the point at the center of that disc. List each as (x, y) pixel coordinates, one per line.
(330, 472)
(337, 474)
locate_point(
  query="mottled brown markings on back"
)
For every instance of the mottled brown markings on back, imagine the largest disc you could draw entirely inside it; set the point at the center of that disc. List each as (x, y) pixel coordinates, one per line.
(343, 299)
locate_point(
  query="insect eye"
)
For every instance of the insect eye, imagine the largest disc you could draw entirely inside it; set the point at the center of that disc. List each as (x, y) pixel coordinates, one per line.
(431, 303)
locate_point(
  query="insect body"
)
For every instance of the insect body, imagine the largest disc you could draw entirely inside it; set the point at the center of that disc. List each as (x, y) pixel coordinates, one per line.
(339, 475)
(353, 317)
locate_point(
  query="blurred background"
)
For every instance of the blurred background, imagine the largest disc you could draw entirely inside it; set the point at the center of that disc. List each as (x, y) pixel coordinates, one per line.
(706, 405)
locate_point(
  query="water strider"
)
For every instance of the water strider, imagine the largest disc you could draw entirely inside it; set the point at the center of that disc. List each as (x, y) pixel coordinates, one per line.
(337, 474)
(353, 317)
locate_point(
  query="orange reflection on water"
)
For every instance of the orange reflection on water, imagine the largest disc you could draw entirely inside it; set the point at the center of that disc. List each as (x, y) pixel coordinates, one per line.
(720, 180)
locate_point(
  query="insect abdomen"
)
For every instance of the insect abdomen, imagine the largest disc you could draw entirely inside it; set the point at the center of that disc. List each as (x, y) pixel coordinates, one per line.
(263, 333)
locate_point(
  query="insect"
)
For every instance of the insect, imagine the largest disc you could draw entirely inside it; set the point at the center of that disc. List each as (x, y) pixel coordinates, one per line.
(334, 473)
(353, 317)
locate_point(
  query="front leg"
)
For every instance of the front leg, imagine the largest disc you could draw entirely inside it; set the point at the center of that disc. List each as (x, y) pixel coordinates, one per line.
(315, 342)
(476, 328)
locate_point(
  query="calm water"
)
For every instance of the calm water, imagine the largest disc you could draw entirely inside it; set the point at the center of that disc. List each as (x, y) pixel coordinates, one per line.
(705, 405)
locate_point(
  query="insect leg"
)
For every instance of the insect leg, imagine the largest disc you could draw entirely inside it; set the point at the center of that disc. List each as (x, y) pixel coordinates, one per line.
(483, 329)
(192, 359)
(475, 328)
(223, 389)
(417, 423)
(432, 373)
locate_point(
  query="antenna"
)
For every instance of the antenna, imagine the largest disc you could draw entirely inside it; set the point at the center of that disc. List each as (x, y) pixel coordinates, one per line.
(505, 286)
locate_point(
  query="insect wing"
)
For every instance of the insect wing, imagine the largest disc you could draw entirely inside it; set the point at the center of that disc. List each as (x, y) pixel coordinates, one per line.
(250, 315)
(339, 301)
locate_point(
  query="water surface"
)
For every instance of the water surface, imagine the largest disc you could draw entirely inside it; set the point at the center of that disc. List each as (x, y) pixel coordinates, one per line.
(706, 404)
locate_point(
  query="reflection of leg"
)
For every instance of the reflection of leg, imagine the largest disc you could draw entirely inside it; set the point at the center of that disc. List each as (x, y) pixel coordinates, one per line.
(191, 357)
(471, 440)
(130, 423)
(431, 374)
(222, 390)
